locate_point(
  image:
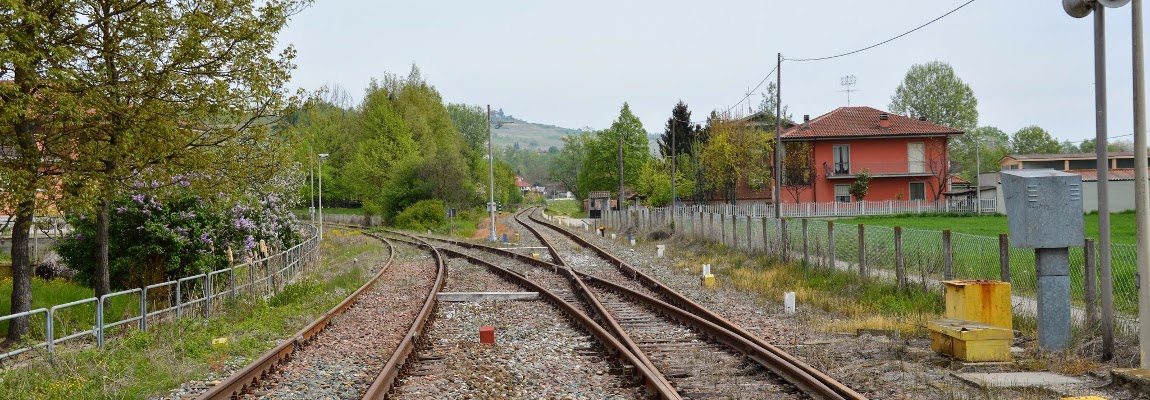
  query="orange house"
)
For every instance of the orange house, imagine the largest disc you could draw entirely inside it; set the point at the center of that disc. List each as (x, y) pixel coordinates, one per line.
(907, 158)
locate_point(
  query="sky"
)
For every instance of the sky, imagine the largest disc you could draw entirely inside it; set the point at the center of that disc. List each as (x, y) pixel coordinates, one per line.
(575, 63)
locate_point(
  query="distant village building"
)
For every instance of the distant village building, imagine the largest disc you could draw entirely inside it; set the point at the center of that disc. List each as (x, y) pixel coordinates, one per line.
(1120, 176)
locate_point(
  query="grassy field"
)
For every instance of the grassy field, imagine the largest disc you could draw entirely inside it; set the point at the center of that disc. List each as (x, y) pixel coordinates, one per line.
(570, 208)
(1121, 224)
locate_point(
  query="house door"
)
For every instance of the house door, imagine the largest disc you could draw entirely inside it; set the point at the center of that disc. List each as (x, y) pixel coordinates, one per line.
(916, 158)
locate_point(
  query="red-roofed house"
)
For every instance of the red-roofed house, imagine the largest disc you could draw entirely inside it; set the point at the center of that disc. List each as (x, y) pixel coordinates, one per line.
(907, 158)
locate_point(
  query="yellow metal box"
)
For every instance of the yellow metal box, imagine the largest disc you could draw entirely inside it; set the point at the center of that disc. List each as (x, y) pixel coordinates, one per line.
(709, 281)
(970, 340)
(979, 300)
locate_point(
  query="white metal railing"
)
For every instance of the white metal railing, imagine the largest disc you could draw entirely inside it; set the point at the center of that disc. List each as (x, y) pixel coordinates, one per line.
(195, 293)
(837, 209)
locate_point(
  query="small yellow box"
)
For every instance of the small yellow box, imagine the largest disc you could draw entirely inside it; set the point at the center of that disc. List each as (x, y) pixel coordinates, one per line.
(535, 255)
(970, 340)
(979, 300)
(219, 342)
(709, 281)
(1084, 398)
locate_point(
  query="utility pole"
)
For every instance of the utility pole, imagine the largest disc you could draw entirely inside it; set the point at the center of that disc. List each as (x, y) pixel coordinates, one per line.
(490, 175)
(977, 172)
(621, 175)
(779, 138)
(674, 151)
(1141, 194)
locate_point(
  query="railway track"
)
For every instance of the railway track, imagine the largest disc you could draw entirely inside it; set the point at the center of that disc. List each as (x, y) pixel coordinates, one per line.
(355, 349)
(708, 357)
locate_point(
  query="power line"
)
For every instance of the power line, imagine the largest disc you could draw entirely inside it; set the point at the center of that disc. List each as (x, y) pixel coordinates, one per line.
(752, 91)
(885, 41)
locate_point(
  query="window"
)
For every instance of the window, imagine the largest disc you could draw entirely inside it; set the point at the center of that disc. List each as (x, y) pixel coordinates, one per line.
(1125, 163)
(918, 190)
(842, 159)
(1083, 164)
(916, 157)
(843, 193)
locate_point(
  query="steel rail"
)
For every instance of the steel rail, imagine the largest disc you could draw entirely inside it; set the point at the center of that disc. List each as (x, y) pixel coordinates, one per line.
(386, 378)
(654, 381)
(593, 300)
(247, 376)
(681, 301)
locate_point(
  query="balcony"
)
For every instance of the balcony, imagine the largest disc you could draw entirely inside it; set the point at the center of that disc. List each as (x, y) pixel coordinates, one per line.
(877, 169)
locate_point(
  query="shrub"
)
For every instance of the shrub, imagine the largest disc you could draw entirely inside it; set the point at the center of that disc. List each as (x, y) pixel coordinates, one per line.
(423, 215)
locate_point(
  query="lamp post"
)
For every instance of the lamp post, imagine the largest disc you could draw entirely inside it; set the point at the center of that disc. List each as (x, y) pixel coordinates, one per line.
(490, 175)
(311, 181)
(322, 157)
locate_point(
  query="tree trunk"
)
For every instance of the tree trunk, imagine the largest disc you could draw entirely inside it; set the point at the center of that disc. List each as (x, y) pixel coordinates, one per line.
(103, 285)
(21, 270)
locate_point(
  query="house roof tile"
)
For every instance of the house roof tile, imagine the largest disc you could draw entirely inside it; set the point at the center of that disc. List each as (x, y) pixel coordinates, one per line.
(864, 122)
(1116, 174)
(1068, 156)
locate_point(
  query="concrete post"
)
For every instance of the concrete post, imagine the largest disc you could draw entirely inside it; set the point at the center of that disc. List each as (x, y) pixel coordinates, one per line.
(806, 246)
(899, 263)
(766, 238)
(734, 231)
(862, 251)
(831, 244)
(1053, 297)
(750, 234)
(783, 238)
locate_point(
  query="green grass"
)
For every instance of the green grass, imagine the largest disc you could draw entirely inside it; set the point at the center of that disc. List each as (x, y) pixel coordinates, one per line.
(1121, 224)
(137, 364)
(569, 208)
(46, 294)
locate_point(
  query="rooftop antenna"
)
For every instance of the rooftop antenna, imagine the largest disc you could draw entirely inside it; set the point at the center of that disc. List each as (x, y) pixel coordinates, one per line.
(848, 81)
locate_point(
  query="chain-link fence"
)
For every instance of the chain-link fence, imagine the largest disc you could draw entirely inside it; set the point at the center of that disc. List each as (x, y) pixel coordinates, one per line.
(927, 257)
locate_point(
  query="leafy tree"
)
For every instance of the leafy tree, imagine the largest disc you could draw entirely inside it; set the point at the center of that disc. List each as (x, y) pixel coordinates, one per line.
(767, 104)
(385, 144)
(1034, 140)
(799, 169)
(861, 185)
(422, 215)
(601, 165)
(719, 162)
(991, 144)
(471, 122)
(933, 91)
(566, 166)
(37, 39)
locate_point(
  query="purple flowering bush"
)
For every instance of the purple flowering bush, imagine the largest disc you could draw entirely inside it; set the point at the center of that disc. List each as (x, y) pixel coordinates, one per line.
(153, 240)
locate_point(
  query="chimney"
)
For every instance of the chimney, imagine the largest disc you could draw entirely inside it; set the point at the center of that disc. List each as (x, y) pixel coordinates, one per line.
(884, 120)
(923, 118)
(806, 122)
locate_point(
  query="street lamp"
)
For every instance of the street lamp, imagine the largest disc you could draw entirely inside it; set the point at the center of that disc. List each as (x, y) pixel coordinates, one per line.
(322, 157)
(490, 175)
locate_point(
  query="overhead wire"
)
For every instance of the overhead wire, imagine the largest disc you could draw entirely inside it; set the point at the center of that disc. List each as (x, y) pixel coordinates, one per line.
(882, 42)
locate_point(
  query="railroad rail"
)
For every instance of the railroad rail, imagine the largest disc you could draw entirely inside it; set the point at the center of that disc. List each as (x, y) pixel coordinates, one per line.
(654, 381)
(678, 307)
(247, 377)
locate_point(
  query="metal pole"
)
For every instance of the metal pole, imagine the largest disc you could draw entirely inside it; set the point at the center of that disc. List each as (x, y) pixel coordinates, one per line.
(674, 152)
(779, 138)
(490, 175)
(621, 175)
(311, 180)
(1141, 194)
(977, 172)
(321, 198)
(1103, 170)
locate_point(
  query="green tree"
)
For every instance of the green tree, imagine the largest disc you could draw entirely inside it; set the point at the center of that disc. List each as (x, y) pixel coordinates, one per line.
(445, 169)
(601, 165)
(861, 185)
(385, 144)
(991, 145)
(679, 125)
(1034, 140)
(37, 38)
(934, 92)
(655, 181)
(471, 122)
(566, 166)
(175, 87)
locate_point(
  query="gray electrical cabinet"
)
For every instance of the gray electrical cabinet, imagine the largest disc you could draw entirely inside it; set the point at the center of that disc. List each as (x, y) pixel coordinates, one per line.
(1043, 208)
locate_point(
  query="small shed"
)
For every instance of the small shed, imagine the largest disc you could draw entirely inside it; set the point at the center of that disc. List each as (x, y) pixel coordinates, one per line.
(596, 202)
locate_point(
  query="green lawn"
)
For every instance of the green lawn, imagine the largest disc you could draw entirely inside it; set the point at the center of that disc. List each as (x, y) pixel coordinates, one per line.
(570, 208)
(1121, 224)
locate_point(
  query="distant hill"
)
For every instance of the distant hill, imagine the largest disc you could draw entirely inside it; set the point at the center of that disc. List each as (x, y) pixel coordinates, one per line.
(508, 130)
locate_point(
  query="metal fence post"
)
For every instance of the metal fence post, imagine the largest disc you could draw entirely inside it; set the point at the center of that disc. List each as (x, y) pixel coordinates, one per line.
(806, 246)
(144, 309)
(232, 281)
(831, 245)
(208, 294)
(100, 323)
(1004, 256)
(722, 229)
(947, 257)
(179, 299)
(1090, 283)
(899, 263)
(862, 251)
